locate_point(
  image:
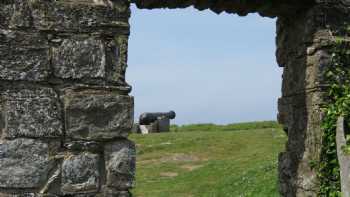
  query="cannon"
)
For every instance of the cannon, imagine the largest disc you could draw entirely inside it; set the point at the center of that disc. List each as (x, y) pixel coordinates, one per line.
(149, 118)
(154, 122)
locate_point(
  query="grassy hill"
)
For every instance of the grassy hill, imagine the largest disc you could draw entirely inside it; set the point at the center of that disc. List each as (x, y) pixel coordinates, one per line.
(209, 160)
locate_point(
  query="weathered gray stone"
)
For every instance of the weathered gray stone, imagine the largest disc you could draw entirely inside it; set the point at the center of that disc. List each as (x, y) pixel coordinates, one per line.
(343, 157)
(242, 8)
(24, 163)
(303, 52)
(47, 45)
(81, 15)
(66, 15)
(80, 173)
(112, 192)
(286, 169)
(52, 187)
(25, 194)
(5, 10)
(91, 58)
(88, 195)
(300, 115)
(309, 69)
(97, 114)
(15, 14)
(33, 112)
(20, 195)
(23, 56)
(79, 58)
(80, 146)
(120, 157)
(117, 57)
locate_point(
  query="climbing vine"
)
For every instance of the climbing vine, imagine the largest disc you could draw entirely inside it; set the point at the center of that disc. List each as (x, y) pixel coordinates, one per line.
(337, 76)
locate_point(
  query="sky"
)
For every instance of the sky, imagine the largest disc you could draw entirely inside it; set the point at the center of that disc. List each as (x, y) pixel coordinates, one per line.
(208, 68)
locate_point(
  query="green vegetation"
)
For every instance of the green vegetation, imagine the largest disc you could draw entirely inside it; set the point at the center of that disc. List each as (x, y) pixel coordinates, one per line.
(209, 161)
(338, 78)
(229, 127)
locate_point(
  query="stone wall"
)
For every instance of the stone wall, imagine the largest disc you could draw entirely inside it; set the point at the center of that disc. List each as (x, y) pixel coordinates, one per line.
(65, 109)
(304, 44)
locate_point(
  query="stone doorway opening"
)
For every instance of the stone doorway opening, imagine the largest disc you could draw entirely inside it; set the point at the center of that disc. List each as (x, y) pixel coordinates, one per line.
(222, 64)
(216, 56)
(302, 52)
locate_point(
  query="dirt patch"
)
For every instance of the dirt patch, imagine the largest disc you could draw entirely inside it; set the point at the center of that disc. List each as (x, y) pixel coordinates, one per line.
(179, 157)
(169, 174)
(189, 167)
(174, 158)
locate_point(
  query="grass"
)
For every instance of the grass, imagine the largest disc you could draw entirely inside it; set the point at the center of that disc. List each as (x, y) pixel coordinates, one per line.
(229, 127)
(209, 161)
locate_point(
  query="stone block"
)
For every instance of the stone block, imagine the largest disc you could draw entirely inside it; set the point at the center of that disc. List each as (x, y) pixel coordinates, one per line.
(19, 194)
(66, 15)
(97, 114)
(81, 15)
(117, 57)
(83, 146)
(30, 112)
(304, 73)
(80, 173)
(5, 10)
(90, 58)
(15, 14)
(112, 192)
(24, 163)
(120, 157)
(287, 170)
(79, 58)
(23, 56)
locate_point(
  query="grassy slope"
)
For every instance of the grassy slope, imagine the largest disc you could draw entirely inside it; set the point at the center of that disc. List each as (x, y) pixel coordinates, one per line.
(209, 163)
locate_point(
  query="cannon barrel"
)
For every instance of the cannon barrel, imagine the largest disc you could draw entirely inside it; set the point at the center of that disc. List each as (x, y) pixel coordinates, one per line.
(148, 118)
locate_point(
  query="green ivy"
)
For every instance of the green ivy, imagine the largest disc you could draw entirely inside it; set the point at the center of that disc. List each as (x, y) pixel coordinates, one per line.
(337, 76)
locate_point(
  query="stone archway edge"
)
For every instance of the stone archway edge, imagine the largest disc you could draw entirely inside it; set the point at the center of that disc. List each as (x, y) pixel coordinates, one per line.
(270, 8)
